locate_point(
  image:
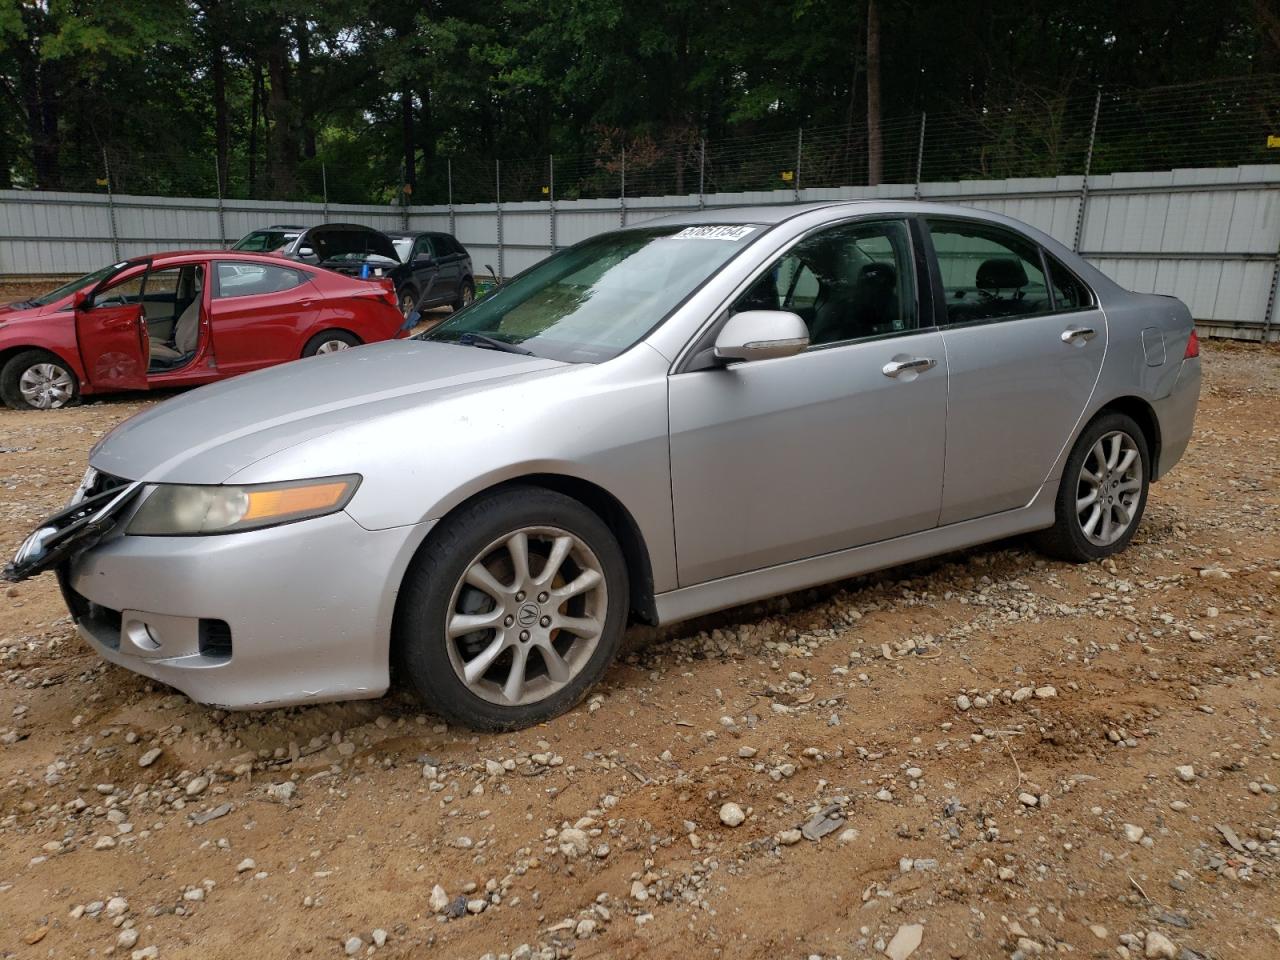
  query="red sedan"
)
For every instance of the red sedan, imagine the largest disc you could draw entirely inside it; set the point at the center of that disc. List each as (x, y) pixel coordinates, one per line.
(182, 319)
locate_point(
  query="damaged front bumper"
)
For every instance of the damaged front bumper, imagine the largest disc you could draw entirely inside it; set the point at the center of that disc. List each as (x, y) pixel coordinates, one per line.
(297, 613)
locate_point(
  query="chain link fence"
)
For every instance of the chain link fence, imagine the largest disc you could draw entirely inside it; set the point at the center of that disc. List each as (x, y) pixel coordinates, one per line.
(1216, 123)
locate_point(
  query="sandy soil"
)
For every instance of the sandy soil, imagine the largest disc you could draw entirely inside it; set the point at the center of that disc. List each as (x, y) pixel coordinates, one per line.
(1002, 736)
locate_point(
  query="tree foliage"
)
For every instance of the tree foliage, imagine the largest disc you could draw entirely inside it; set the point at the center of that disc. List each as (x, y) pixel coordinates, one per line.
(361, 99)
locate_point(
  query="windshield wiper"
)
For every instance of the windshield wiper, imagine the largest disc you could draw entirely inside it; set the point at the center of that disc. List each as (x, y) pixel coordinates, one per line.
(491, 343)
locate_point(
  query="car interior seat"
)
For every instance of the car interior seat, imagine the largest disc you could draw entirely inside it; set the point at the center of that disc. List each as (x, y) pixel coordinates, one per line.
(863, 307)
(186, 334)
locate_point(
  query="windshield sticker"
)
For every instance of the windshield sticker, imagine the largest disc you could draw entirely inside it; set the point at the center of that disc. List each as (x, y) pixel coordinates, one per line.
(723, 232)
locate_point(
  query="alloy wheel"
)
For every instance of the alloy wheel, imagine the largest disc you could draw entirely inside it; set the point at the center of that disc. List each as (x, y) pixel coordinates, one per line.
(46, 386)
(468, 295)
(526, 616)
(1109, 488)
(406, 303)
(332, 346)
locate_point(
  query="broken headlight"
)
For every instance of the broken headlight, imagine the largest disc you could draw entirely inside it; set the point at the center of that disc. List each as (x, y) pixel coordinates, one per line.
(175, 510)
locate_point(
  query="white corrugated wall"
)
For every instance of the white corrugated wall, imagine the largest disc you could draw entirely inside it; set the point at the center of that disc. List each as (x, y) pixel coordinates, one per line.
(1208, 236)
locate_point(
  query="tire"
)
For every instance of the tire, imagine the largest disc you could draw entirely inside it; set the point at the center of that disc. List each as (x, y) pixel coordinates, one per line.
(330, 341)
(1122, 491)
(466, 294)
(38, 380)
(516, 621)
(408, 299)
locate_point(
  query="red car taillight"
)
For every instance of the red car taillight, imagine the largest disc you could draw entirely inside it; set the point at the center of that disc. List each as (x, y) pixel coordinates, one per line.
(1193, 346)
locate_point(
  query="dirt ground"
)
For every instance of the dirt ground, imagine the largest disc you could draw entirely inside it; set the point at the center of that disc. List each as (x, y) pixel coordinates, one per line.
(1020, 758)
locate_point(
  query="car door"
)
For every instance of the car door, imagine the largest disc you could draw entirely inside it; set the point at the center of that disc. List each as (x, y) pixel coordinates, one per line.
(258, 312)
(450, 260)
(111, 330)
(426, 270)
(838, 446)
(1024, 356)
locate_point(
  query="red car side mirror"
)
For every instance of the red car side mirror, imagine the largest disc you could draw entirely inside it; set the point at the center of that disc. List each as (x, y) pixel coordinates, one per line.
(80, 300)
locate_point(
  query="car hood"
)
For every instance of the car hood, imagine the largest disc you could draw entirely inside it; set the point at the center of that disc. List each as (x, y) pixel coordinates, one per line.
(209, 434)
(12, 311)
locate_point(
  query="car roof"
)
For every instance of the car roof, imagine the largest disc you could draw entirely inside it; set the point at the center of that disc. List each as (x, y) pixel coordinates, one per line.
(343, 226)
(172, 257)
(772, 213)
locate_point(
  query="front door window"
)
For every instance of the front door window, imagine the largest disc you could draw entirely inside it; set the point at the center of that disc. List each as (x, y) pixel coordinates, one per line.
(847, 283)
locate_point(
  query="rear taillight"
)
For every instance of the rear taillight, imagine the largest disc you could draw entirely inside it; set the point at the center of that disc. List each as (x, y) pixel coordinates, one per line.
(1193, 346)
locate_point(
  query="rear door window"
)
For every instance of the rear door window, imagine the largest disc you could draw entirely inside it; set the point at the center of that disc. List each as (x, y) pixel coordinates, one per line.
(988, 273)
(253, 279)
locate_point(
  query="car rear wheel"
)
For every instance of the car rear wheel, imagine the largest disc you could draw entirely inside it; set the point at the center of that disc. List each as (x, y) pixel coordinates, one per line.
(513, 610)
(1103, 491)
(466, 295)
(38, 380)
(330, 341)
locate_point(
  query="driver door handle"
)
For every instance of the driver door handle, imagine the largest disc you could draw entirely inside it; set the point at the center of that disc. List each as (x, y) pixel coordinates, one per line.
(1083, 334)
(895, 368)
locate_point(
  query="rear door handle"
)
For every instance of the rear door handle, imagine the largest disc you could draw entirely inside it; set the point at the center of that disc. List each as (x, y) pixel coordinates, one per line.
(896, 368)
(1081, 334)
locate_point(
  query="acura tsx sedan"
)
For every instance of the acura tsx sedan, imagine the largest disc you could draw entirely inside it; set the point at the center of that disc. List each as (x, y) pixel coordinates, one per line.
(670, 419)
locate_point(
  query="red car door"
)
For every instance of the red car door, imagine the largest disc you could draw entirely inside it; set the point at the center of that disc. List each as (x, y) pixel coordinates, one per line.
(111, 330)
(258, 313)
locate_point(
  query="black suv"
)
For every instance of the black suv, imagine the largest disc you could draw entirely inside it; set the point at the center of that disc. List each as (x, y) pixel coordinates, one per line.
(436, 271)
(428, 269)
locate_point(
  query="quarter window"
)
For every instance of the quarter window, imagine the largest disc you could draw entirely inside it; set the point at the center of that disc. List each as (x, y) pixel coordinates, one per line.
(252, 279)
(1069, 292)
(988, 273)
(849, 282)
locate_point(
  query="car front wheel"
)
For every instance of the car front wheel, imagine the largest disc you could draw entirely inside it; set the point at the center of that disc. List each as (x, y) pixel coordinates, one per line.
(36, 380)
(1103, 491)
(408, 300)
(466, 295)
(513, 610)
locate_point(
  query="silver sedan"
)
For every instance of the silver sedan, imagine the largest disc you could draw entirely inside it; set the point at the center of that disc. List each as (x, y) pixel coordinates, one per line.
(674, 418)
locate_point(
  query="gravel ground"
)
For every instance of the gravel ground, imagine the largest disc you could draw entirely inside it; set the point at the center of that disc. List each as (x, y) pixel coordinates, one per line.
(997, 755)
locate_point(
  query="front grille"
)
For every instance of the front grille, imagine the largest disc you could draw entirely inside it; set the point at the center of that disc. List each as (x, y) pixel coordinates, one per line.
(215, 639)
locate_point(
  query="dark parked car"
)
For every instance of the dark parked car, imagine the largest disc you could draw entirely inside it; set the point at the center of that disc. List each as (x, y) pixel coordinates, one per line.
(428, 269)
(436, 271)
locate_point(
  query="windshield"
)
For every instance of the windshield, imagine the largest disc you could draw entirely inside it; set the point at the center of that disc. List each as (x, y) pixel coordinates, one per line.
(593, 301)
(264, 241)
(403, 246)
(88, 280)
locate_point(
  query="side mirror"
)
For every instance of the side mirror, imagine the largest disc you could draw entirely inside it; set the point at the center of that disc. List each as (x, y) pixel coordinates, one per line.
(80, 300)
(425, 259)
(761, 335)
(306, 252)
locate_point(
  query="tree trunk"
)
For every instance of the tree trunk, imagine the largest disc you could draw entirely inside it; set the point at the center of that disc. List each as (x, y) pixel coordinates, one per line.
(218, 74)
(302, 34)
(255, 102)
(875, 147)
(282, 141)
(410, 146)
(40, 107)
